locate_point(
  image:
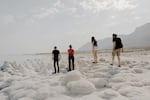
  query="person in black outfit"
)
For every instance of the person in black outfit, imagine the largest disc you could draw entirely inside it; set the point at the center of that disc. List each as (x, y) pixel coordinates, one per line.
(117, 46)
(56, 58)
(71, 58)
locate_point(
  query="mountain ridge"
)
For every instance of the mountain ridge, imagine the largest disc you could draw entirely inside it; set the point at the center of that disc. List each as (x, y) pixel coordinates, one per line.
(140, 38)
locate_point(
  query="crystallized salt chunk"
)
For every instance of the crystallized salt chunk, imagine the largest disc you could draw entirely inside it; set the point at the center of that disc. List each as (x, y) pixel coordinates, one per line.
(71, 76)
(81, 87)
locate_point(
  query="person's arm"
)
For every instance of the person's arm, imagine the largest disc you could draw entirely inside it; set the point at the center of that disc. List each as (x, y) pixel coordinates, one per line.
(73, 52)
(122, 46)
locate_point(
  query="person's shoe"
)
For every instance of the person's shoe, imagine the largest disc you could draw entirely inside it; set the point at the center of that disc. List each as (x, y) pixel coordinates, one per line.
(94, 62)
(119, 66)
(69, 70)
(53, 72)
(111, 64)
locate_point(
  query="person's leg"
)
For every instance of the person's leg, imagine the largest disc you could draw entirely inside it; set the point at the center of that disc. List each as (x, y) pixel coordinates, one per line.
(73, 62)
(69, 61)
(95, 56)
(113, 57)
(57, 66)
(118, 56)
(54, 66)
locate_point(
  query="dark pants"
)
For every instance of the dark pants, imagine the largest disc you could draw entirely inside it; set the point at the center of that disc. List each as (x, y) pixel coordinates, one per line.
(56, 61)
(71, 62)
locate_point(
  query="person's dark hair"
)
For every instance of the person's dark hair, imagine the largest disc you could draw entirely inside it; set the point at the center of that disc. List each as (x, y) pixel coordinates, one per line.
(70, 46)
(94, 42)
(92, 39)
(55, 47)
(114, 35)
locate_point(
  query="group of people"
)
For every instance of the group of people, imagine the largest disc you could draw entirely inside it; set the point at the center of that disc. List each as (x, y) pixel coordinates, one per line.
(116, 50)
(56, 57)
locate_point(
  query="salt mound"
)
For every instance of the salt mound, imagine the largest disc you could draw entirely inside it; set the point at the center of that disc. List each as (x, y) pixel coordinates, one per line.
(109, 94)
(99, 82)
(137, 84)
(7, 67)
(138, 70)
(102, 60)
(101, 75)
(117, 79)
(71, 76)
(147, 67)
(113, 72)
(44, 93)
(81, 87)
(6, 83)
(25, 98)
(118, 86)
(146, 83)
(3, 97)
(129, 91)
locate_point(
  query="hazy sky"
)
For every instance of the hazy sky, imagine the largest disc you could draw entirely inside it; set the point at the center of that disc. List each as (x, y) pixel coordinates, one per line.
(33, 26)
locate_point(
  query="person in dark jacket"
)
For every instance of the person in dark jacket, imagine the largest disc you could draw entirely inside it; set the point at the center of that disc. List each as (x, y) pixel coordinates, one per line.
(71, 58)
(117, 48)
(56, 58)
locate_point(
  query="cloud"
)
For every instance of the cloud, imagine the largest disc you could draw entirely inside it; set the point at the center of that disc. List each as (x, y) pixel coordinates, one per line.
(44, 12)
(137, 18)
(7, 19)
(124, 4)
(98, 6)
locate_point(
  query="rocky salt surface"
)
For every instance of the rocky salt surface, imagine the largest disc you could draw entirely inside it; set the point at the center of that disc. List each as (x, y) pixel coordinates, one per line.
(32, 79)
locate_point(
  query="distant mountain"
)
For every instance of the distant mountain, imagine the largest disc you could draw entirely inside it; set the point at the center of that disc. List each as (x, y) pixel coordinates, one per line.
(140, 38)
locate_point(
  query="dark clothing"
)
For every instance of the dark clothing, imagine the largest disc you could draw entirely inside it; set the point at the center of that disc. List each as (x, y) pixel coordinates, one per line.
(56, 59)
(118, 43)
(56, 54)
(71, 62)
(94, 43)
(56, 62)
(71, 59)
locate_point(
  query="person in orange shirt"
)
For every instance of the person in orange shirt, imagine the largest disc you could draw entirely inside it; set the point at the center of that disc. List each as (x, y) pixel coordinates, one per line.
(71, 58)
